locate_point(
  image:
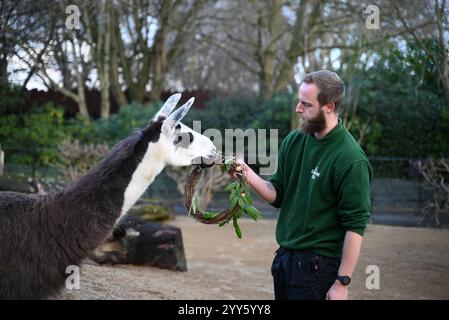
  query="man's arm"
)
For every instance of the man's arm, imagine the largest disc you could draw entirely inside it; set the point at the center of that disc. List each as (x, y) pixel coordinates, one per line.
(351, 251)
(263, 188)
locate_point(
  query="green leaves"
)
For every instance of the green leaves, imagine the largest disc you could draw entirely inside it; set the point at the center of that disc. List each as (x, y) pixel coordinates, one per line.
(210, 214)
(226, 166)
(238, 232)
(231, 186)
(233, 203)
(240, 202)
(248, 198)
(253, 212)
(240, 195)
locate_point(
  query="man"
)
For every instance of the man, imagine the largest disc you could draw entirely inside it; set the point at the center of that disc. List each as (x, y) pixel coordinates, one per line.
(322, 185)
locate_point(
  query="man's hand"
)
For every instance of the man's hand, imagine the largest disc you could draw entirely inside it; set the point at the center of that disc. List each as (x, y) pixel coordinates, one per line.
(337, 292)
(240, 167)
(351, 250)
(263, 188)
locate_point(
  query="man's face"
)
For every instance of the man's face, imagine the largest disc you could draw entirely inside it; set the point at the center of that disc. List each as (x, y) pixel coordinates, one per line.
(312, 115)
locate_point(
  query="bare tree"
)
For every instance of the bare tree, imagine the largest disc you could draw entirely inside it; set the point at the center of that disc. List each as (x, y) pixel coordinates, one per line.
(433, 14)
(410, 21)
(76, 159)
(97, 17)
(21, 22)
(267, 38)
(150, 36)
(436, 174)
(63, 55)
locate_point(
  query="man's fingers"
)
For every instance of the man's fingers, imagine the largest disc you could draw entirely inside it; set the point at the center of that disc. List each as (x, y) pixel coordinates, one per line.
(236, 169)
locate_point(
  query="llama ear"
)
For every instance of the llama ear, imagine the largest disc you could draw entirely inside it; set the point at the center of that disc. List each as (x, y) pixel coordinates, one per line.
(168, 106)
(177, 116)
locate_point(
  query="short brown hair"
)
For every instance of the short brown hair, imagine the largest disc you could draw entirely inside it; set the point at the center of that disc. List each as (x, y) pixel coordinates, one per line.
(332, 88)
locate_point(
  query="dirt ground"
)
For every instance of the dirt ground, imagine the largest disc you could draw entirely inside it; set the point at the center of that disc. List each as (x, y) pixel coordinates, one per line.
(413, 264)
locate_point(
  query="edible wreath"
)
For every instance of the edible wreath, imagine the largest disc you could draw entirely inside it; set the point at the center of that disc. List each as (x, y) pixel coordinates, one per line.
(240, 200)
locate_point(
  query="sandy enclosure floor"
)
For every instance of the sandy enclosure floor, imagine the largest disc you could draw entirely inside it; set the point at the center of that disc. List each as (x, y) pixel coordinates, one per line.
(413, 264)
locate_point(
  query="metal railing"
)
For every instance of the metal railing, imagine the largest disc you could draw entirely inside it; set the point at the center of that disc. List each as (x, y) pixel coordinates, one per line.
(397, 192)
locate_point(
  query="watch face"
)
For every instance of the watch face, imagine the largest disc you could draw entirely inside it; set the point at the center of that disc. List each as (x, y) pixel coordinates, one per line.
(345, 280)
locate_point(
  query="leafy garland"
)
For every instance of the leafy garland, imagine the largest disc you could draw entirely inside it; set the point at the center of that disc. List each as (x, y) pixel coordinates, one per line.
(240, 200)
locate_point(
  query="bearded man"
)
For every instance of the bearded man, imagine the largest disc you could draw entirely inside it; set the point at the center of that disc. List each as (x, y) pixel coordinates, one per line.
(322, 185)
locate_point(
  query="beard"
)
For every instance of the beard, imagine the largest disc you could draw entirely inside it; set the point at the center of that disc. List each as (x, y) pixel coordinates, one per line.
(314, 125)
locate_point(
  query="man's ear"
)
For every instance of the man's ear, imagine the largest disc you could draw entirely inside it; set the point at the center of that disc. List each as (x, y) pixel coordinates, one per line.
(330, 107)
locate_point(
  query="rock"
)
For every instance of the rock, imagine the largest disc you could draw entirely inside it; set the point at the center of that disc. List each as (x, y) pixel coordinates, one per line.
(152, 211)
(7, 184)
(140, 242)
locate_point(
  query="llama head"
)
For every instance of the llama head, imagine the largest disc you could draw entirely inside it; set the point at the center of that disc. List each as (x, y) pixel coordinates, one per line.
(181, 145)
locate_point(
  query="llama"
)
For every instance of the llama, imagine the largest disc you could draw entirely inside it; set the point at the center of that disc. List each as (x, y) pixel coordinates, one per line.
(41, 235)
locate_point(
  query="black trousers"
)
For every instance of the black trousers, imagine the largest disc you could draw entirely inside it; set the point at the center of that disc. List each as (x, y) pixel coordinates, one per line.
(302, 274)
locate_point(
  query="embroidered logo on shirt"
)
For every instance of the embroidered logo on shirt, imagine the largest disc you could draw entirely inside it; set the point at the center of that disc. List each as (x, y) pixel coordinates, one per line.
(315, 173)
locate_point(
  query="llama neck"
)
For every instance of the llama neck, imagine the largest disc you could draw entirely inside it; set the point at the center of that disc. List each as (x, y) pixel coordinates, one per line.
(150, 166)
(86, 211)
(112, 187)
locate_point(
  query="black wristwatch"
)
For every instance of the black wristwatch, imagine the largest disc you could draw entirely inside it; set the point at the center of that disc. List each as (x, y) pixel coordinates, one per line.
(344, 280)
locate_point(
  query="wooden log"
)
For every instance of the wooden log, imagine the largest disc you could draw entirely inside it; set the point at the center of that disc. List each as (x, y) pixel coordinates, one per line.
(140, 242)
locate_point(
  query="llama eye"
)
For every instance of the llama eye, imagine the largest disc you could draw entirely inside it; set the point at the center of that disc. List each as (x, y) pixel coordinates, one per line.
(178, 139)
(184, 139)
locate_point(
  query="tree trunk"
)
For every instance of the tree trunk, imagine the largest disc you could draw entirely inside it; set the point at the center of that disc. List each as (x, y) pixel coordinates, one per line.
(285, 78)
(81, 91)
(159, 67)
(159, 74)
(84, 111)
(105, 99)
(439, 13)
(4, 61)
(266, 52)
(135, 79)
(115, 82)
(159, 55)
(3, 70)
(106, 60)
